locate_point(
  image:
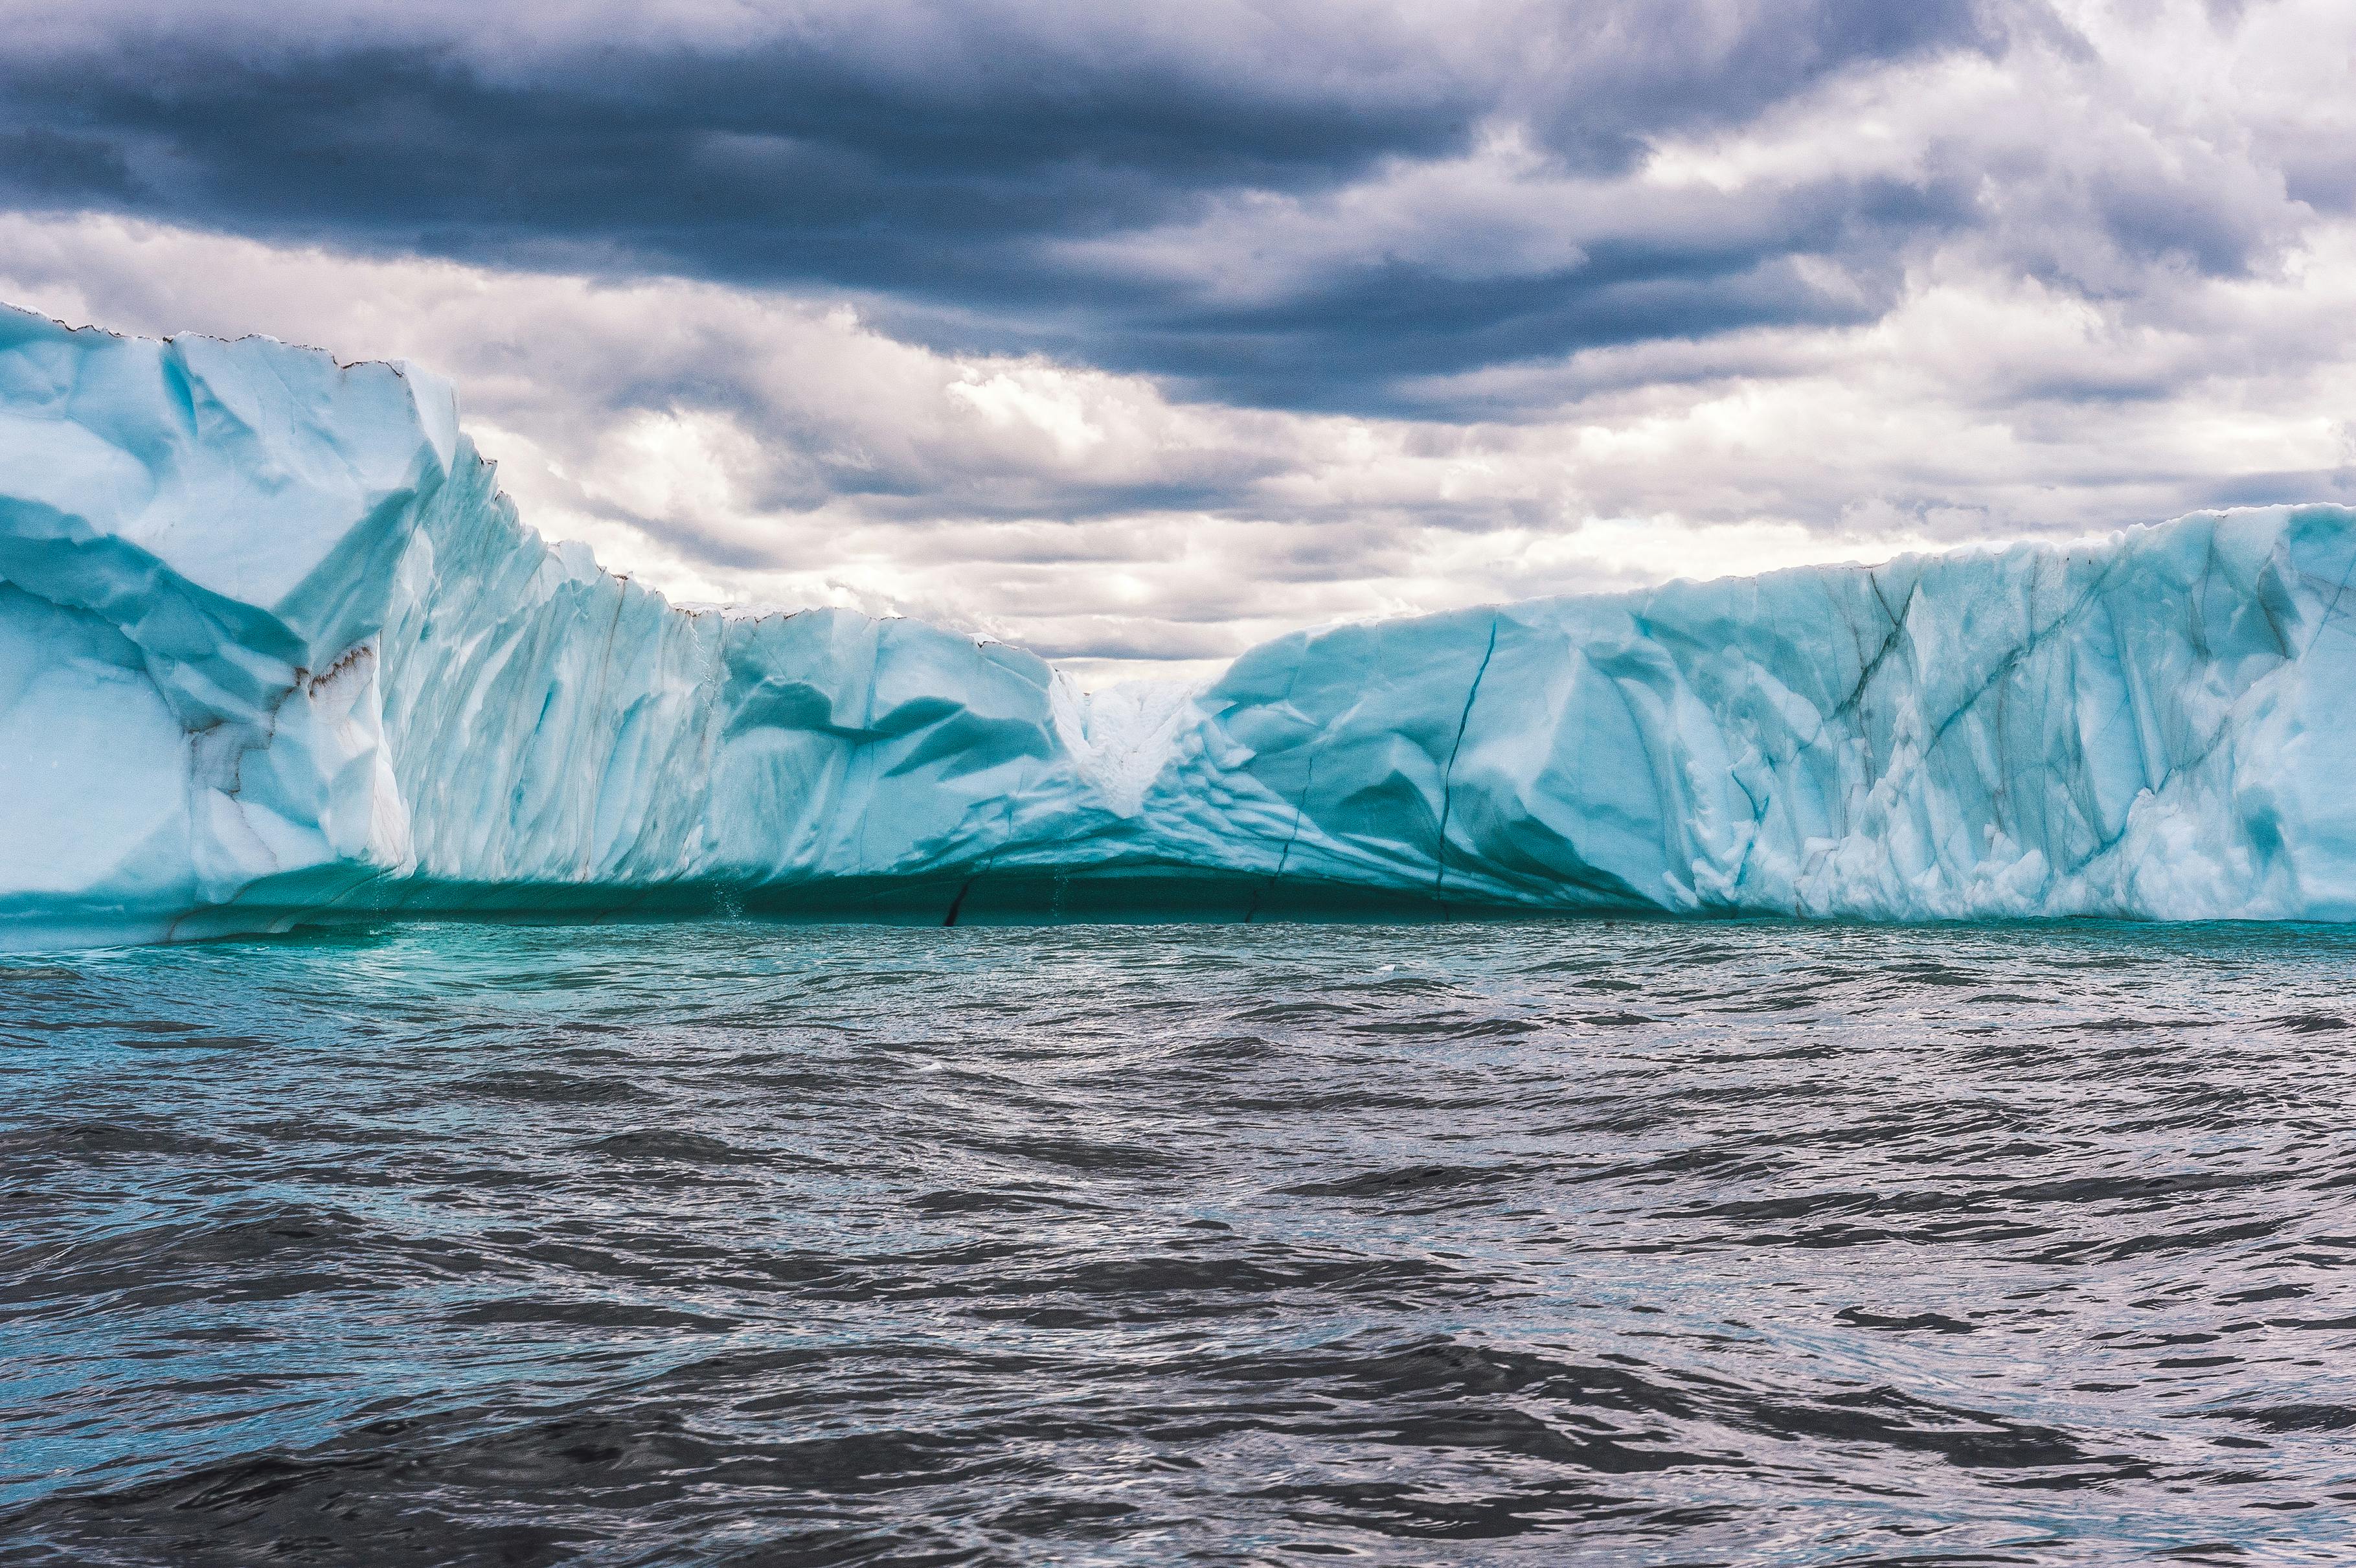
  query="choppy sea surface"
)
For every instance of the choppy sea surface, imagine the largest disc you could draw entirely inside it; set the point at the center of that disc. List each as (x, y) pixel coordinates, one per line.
(1602, 1242)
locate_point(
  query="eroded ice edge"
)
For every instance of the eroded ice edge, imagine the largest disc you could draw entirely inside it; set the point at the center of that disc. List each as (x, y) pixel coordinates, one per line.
(274, 649)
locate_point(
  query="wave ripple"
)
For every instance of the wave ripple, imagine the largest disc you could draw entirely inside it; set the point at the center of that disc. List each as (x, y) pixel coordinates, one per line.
(1633, 1242)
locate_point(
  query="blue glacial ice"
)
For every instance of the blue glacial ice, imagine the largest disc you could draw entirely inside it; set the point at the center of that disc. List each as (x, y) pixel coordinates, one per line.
(274, 650)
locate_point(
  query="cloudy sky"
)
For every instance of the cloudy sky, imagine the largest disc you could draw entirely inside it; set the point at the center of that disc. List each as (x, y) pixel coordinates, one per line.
(1137, 333)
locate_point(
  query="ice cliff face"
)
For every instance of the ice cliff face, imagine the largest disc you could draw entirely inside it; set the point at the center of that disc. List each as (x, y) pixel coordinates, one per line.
(274, 649)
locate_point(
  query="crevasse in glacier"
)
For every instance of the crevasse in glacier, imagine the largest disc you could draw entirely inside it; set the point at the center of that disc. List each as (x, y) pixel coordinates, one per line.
(274, 649)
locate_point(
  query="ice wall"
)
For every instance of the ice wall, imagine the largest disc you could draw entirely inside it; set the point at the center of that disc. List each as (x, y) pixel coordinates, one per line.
(2159, 724)
(274, 649)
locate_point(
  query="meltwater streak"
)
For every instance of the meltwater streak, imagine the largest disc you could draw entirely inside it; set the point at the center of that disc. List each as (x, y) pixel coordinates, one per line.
(1605, 1242)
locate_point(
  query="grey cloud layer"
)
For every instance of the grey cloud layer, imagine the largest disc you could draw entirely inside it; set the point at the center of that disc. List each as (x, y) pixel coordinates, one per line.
(975, 167)
(1135, 338)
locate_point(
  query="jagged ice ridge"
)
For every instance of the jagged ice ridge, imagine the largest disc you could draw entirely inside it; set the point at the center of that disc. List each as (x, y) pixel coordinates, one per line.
(274, 649)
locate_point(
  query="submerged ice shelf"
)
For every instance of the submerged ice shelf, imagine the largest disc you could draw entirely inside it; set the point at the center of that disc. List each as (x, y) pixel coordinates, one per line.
(274, 649)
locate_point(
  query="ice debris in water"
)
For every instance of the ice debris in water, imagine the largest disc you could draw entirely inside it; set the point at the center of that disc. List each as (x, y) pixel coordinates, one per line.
(274, 649)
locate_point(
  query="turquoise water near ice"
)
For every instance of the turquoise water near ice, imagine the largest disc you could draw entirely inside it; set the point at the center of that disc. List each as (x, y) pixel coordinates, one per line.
(1642, 1242)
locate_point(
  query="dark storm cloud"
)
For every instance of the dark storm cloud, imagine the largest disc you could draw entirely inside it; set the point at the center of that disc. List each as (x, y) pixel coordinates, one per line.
(38, 165)
(1609, 77)
(944, 164)
(1355, 335)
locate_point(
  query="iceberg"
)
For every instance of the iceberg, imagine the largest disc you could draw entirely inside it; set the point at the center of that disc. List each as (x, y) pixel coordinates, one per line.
(274, 650)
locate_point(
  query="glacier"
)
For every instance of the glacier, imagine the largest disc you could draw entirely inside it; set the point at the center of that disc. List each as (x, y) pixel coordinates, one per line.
(274, 650)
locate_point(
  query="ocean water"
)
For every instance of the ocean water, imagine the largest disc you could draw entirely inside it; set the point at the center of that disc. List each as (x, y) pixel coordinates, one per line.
(1593, 1242)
